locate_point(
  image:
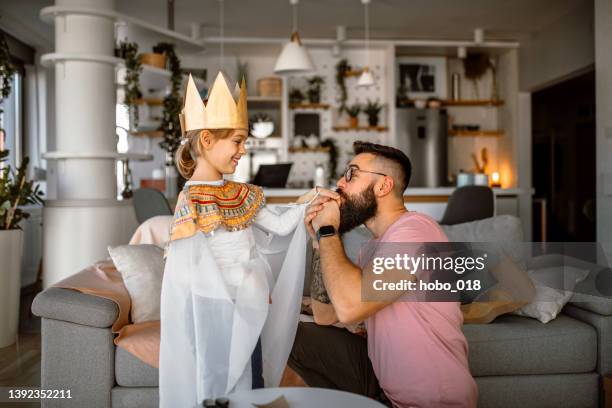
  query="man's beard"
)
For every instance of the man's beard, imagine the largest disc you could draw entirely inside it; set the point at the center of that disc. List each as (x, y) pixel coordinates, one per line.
(356, 208)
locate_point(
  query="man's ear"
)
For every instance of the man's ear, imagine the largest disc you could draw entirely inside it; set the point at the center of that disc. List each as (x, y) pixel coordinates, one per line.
(384, 187)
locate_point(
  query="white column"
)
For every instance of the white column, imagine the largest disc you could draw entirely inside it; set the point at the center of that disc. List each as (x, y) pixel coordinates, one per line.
(86, 217)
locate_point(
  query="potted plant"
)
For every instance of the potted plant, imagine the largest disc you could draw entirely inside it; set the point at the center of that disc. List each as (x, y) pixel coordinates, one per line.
(372, 109)
(15, 191)
(157, 58)
(295, 96)
(133, 68)
(353, 112)
(314, 89)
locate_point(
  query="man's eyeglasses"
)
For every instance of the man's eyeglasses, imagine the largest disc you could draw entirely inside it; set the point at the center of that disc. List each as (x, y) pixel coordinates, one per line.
(348, 174)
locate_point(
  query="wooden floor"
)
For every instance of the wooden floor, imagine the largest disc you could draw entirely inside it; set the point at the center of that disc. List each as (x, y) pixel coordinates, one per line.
(20, 363)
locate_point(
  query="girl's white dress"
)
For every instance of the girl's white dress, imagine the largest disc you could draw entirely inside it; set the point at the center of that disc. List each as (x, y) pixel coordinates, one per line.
(221, 291)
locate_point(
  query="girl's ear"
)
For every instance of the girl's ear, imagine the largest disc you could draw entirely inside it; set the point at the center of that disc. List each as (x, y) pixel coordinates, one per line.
(206, 139)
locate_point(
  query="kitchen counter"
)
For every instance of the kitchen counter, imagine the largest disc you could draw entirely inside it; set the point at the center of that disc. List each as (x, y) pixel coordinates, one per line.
(414, 194)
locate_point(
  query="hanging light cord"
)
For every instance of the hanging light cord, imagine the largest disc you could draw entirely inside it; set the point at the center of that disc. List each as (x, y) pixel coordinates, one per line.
(366, 4)
(294, 5)
(222, 35)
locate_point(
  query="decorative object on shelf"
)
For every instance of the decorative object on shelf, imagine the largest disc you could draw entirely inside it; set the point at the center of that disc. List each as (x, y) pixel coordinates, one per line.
(372, 109)
(155, 59)
(434, 103)
(295, 96)
(270, 86)
(170, 124)
(294, 58)
(420, 103)
(495, 181)
(262, 125)
(298, 142)
(333, 159)
(481, 168)
(353, 112)
(341, 68)
(366, 79)
(455, 86)
(314, 89)
(242, 71)
(476, 66)
(312, 141)
(133, 68)
(127, 180)
(421, 77)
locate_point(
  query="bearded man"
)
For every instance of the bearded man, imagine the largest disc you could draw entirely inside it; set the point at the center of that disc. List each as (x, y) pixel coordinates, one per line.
(414, 353)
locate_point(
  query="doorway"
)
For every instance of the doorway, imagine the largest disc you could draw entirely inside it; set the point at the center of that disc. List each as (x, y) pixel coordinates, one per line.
(563, 160)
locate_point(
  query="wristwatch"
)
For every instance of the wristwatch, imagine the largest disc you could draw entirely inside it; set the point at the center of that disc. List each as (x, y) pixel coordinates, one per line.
(325, 231)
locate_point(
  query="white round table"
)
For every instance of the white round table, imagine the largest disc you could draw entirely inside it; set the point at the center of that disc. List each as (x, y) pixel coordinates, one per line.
(302, 397)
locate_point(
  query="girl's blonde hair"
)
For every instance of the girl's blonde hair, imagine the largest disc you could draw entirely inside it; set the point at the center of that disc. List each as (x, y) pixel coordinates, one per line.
(187, 154)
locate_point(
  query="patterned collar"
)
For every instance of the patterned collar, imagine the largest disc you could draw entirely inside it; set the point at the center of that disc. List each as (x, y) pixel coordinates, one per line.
(206, 207)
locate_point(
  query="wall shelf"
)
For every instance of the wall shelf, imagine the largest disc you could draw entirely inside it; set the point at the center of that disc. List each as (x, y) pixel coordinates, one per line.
(149, 101)
(309, 106)
(309, 150)
(182, 41)
(491, 102)
(264, 99)
(57, 155)
(360, 128)
(147, 133)
(475, 133)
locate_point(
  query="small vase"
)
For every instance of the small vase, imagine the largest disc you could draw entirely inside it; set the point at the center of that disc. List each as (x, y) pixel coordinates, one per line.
(353, 122)
(373, 120)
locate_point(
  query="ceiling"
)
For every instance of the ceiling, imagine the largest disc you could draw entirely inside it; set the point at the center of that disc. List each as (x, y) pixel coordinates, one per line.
(390, 19)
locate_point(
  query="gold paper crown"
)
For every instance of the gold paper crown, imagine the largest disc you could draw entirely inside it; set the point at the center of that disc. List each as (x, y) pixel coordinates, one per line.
(222, 110)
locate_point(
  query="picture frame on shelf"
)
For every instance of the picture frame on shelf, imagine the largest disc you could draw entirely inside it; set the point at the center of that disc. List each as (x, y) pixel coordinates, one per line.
(421, 77)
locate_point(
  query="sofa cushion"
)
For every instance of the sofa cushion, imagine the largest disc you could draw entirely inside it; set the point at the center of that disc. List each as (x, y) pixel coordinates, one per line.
(133, 372)
(514, 345)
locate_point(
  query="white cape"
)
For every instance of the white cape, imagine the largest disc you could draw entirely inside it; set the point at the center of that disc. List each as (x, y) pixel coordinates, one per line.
(207, 338)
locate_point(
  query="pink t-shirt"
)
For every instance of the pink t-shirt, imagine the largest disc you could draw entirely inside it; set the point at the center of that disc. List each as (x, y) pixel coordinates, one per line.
(418, 351)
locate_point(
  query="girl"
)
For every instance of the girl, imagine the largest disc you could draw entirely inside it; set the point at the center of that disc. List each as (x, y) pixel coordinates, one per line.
(228, 318)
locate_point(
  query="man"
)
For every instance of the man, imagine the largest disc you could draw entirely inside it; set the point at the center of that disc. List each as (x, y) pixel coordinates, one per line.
(415, 354)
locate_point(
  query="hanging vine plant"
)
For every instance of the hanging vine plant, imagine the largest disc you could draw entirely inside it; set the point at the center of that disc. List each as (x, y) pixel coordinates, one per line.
(333, 159)
(341, 68)
(7, 70)
(133, 68)
(170, 125)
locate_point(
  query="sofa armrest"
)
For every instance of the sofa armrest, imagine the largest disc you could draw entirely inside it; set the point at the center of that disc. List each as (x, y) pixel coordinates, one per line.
(603, 326)
(75, 307)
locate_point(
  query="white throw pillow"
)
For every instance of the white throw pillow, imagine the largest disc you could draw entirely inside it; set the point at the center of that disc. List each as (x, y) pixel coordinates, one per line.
(550, 298)
(142, 269)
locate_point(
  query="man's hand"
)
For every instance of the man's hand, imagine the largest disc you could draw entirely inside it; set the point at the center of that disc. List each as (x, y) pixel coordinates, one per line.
(328, 215)
(316, 206)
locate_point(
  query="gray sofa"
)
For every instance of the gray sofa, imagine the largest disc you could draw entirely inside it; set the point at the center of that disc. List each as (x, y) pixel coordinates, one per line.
(516, 361)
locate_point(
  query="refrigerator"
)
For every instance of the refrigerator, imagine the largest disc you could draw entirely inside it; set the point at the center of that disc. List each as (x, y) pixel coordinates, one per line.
(422, 134)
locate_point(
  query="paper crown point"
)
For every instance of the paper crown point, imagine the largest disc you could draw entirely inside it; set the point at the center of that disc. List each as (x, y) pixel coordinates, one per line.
(221, 111)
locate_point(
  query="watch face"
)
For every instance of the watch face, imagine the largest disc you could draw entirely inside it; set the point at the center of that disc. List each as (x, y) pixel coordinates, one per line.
(327, 230)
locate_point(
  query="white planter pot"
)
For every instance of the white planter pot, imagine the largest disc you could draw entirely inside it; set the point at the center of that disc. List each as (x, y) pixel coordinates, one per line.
(11, 247)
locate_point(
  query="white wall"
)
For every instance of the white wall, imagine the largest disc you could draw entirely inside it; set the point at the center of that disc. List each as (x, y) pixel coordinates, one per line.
(603, 92)
(564, 47)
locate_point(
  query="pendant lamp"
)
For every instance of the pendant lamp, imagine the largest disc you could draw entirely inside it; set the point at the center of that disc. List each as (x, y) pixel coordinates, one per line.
(294, 58)
(366, 78)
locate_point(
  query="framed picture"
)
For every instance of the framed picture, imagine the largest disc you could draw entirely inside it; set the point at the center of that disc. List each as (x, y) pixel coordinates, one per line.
(421, 77)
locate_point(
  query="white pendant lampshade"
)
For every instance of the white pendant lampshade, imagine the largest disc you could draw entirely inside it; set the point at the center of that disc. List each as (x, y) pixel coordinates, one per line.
(366, 78)
(294, 58)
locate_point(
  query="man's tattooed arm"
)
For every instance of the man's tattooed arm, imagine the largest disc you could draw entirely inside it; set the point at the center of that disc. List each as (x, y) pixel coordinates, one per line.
(317, 287)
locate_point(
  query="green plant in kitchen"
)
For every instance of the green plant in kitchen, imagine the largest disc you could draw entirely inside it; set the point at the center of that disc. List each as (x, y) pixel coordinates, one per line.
(15, 190)
(476, 66)
(342, 67)
(133, 68)
(314, 89)
(170, 125)
(333, 159)
(296, 96)
(353, 112)
(372, 109)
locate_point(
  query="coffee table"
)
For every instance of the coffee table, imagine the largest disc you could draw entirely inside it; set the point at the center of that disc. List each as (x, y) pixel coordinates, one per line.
(302, 397)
